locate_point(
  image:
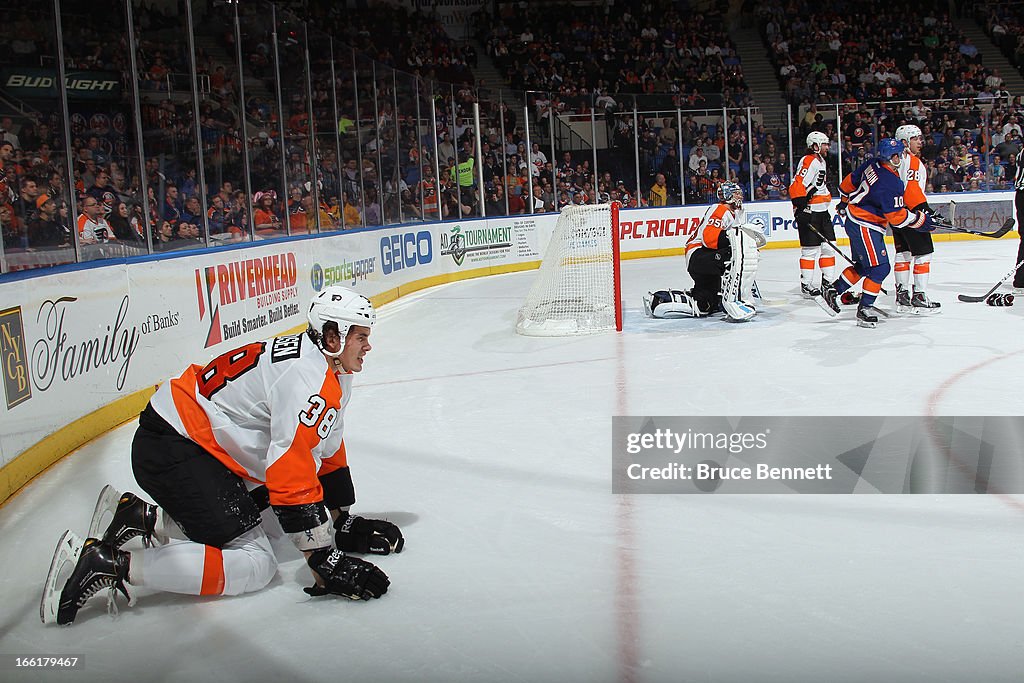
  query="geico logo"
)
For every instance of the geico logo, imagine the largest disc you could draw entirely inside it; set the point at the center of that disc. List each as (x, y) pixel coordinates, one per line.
(405, 251)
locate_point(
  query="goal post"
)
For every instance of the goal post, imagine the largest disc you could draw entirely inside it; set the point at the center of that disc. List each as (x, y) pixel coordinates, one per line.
(578, 288)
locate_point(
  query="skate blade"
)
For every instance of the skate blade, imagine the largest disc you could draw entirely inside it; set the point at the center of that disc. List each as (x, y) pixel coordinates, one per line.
(867, 324)
(925, 311)
(820, 300)
(647, 305)
(65, 557)
(103, 514)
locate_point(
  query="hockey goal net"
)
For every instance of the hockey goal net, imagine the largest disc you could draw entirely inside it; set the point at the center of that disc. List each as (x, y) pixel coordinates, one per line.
(577, 287)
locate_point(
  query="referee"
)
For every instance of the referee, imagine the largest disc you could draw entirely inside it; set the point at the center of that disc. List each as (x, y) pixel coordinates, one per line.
(1018, 204)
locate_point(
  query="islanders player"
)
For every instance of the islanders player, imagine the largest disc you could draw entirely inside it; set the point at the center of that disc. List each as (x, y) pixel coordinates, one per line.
(874, 193)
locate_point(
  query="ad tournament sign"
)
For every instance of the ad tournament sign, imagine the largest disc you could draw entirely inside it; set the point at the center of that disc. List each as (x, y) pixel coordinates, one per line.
(479, 244)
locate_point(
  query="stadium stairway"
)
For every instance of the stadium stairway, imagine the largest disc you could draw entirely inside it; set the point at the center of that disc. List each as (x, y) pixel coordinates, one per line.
(991, 56)
(760, 75)
(490, 80)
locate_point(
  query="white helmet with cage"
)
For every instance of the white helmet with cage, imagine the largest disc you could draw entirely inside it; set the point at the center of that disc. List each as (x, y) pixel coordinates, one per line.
(908, 131)
(342, 307)
(816, 137)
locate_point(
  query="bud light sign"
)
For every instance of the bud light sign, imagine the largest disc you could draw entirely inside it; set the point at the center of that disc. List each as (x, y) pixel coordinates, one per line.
(405, 251)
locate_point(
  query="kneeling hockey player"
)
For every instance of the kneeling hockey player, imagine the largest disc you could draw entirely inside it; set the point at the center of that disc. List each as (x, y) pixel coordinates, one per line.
(721, 257)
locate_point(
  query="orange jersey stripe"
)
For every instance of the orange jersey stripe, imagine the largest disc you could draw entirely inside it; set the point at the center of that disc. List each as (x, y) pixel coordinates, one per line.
(913, 196)
(335, 462)
(865, 216)
(797, 187)
(213, 572)
(197, 424)
(295, 472)
(865, 234)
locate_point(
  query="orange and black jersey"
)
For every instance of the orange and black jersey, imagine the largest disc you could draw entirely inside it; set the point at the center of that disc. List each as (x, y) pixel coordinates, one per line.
(716, 219)
(272, 412)
(914, 175)
(809, 180)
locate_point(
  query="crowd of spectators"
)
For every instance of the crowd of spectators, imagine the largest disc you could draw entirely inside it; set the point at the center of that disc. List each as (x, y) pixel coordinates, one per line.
(1004, 24)
(873, 50)
(667, 51)
(386, 166)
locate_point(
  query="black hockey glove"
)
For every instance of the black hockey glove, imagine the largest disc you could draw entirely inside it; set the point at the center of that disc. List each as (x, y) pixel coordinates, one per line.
(841, 209)
(348, 576)
(359, 535)
(800, 204)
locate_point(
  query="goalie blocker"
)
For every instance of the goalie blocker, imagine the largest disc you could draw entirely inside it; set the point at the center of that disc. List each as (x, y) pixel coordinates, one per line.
(723, 280)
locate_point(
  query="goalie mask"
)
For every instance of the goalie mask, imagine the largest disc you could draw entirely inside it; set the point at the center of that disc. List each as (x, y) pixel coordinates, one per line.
(341, 308)
(731, 193)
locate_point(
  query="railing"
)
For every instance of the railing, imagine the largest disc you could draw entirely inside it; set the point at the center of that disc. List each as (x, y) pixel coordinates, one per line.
(347, 142)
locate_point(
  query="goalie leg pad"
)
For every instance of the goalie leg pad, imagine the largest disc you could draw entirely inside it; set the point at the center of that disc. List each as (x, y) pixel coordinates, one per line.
(671, 303)
(738, 281)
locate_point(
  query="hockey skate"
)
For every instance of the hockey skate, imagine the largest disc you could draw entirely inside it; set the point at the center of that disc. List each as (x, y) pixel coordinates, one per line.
(903, 300)
(118, 518)
(829, 301)
(808, 292)
(96, 565)
(867, 316)
(921, 304)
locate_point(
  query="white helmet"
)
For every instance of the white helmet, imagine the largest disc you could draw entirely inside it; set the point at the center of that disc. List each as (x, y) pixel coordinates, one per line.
(907, 131)
(342, 307)
(816, 137)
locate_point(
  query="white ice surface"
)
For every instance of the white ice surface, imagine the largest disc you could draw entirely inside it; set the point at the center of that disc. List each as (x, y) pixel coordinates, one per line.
(492, 451)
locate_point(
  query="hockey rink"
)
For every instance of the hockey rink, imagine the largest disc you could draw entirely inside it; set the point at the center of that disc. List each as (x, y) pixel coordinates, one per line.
(492, 451)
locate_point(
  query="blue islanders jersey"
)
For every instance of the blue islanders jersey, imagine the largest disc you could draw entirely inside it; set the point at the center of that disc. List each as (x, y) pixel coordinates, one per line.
(875, 193)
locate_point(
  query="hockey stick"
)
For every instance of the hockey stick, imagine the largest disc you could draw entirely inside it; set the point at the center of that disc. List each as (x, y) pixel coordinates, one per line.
(952, 227)
(1005, 228)
(836, 249)
(975, 299)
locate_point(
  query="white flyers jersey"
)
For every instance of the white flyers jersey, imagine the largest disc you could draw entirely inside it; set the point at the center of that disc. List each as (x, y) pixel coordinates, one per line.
(716, 219)
(810, 181)
(914, 175)
(272, 412)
